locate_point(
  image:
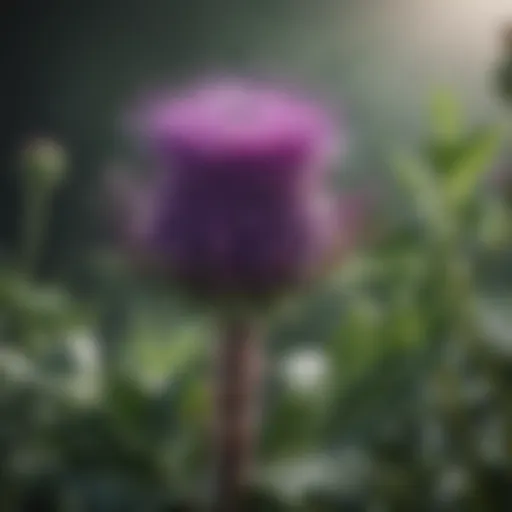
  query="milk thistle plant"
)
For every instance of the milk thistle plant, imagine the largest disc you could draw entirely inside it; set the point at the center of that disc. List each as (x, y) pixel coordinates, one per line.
(238, 211)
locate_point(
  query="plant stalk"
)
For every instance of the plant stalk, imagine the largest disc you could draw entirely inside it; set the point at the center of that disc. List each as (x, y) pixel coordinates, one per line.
(35, 225)
(237, 407)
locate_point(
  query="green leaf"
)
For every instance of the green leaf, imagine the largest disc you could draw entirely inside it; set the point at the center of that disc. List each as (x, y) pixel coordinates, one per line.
(157, 351)
(424, 189)
(475, 159)
(442, 157)
(405, 326)
(446, 117)
(42, 309)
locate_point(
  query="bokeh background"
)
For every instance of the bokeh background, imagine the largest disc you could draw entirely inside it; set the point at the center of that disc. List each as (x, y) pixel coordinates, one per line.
(70, 70)
(389, 385)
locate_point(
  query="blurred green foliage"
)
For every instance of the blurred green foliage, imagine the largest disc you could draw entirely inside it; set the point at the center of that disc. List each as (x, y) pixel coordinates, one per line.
(389, 387)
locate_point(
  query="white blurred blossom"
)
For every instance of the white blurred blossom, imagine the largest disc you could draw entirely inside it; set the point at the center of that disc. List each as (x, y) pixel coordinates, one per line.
(493, 315)
(305, 370)
(84, 350)
(75, 369)
(344, 472)
(86, 383)
(453, 483)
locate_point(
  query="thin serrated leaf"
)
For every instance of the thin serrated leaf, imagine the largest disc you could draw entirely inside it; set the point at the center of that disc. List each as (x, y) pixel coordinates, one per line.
(421, 183)
(475, 159)
(361, 347)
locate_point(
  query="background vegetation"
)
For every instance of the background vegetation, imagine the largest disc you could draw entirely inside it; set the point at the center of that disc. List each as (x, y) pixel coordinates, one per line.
(389, 385)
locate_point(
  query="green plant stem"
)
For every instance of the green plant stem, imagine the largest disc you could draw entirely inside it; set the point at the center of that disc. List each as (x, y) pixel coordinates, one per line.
(35, 220)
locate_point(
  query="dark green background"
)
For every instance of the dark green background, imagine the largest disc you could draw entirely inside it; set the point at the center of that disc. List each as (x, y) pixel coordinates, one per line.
(69, 68)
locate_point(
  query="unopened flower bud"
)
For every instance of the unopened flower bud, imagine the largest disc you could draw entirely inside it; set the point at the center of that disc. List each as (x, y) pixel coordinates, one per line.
(44, 161)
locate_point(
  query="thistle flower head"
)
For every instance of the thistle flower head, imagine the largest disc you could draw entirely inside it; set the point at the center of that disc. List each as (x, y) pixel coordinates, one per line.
(239, 204)
(234, 123)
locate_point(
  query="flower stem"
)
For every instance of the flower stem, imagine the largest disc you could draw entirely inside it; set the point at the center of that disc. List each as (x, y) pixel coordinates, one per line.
(35, 224)
(238, 379)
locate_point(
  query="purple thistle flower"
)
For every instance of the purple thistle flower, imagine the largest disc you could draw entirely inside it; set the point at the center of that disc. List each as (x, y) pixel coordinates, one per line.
(239, 204)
